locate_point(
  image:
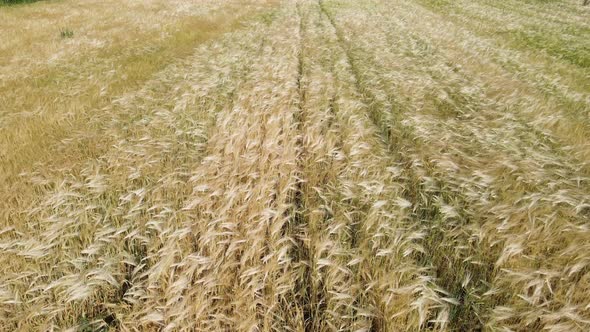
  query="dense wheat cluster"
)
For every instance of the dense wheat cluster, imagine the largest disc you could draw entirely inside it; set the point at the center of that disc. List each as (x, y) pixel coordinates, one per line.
(331, 165)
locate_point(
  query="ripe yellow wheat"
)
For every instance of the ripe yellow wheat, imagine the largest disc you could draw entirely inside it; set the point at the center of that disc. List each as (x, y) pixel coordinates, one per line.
(330, 165)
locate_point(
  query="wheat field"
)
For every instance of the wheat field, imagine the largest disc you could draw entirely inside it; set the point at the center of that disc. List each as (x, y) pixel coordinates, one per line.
(295, 165)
